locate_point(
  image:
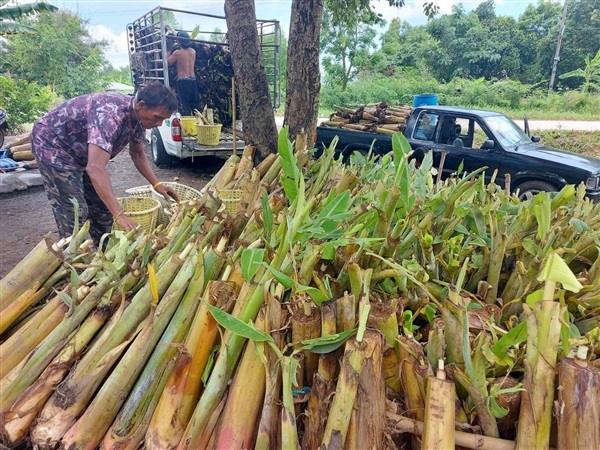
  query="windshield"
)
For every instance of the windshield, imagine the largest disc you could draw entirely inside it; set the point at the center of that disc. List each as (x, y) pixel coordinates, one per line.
(508, 133)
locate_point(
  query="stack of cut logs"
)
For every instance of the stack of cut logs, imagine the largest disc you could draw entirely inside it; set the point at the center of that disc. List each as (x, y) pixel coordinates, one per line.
(374, 117)
(20, 150)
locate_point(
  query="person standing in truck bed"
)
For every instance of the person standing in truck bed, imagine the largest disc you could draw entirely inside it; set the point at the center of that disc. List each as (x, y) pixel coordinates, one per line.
(184, 59)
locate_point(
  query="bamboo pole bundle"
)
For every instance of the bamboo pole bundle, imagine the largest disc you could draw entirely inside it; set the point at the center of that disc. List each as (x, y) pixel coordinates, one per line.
(405, 254)
(306, 324)
(578, 403)
(183, 387)
(439, 412)
(36, 267)
(97, 418)
(368, 421)
(16, 422)
(275, 319)
(543, 330)
(67, 403)
(246, 395)
(338, 421)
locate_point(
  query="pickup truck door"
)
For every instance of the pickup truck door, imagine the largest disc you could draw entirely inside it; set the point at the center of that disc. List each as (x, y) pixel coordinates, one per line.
(466, 141)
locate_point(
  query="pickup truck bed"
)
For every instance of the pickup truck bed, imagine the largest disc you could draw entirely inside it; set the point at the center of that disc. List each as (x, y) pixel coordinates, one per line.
(164, 148)
(350, 141)
(191, 146)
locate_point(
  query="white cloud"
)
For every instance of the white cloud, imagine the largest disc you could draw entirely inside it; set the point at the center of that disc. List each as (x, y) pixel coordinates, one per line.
(116, 52)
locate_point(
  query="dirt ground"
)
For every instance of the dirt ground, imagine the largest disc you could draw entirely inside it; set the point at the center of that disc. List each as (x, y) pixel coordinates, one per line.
(26, 217)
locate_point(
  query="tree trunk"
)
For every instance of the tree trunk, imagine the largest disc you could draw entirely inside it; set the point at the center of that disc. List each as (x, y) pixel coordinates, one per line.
(251, 80)
(303, 73)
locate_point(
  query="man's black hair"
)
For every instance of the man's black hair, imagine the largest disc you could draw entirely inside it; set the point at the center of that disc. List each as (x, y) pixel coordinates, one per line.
(184, 42)
(158, 95)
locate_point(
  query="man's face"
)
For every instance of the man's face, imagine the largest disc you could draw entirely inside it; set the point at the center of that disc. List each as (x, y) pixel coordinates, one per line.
(152, 117)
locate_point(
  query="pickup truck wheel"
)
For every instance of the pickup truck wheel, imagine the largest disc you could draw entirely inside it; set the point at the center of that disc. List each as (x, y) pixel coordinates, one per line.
(159, 154)
(348, 153)
(530, 189)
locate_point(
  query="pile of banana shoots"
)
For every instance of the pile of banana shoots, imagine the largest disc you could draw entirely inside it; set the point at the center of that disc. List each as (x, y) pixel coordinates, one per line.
(367, 305)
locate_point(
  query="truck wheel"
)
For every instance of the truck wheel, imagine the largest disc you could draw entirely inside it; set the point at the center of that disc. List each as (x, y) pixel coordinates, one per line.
(347, 153)
(159, 154)
(530, 189)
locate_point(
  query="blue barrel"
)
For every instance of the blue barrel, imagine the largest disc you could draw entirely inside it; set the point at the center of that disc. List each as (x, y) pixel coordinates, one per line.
(425, 99)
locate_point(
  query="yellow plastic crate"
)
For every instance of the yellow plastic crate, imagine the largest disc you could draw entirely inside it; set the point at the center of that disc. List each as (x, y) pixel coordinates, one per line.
(188, 125)
(208, 134)
(231, 198)
(143, 210)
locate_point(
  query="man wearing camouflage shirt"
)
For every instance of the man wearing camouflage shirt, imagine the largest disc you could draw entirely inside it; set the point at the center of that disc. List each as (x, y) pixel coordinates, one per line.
(74, 143)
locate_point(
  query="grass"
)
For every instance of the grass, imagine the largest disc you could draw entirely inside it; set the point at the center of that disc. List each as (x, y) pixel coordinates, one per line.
(582, 142)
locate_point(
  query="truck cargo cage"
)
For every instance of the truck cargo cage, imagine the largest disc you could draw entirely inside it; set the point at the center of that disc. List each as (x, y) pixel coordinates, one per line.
(150, 37)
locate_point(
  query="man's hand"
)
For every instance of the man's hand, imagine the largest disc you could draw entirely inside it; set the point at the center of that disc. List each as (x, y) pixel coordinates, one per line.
(125, 223)
(167, 192)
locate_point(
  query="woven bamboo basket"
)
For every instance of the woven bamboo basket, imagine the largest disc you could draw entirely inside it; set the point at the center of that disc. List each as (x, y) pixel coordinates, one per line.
(184, 192)
(166, 211)
(231, 198)
(143, 210)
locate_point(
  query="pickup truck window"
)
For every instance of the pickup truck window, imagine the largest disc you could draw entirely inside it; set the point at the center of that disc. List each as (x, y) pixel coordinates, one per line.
(506, 131)
(426, 125)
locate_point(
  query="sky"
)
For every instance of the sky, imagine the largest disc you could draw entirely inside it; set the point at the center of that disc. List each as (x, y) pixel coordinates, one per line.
(108, 19)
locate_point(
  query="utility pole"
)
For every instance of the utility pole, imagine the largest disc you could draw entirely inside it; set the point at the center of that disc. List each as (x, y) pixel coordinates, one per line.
(557, 54)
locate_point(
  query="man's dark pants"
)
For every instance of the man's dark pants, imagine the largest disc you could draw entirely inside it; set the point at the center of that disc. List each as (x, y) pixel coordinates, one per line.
(64, 185)
(187, 91)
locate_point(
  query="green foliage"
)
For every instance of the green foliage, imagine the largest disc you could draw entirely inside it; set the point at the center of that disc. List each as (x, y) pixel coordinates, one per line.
(120, 75)
(508, 96)
(590, 74)
(476, 44)
(10, 13)
(62, 55)
(584, 142)
(25, 102)
(346, 44)
(375, 88)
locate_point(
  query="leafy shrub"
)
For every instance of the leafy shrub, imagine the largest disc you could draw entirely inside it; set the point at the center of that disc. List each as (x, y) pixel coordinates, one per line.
(398, 89)
(24, 102)
(508, 96)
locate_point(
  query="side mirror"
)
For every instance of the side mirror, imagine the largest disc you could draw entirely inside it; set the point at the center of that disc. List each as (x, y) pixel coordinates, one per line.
(488, 144)
(535, 138)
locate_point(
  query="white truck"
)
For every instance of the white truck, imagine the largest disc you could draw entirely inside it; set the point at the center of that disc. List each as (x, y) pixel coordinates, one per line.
(150, 38)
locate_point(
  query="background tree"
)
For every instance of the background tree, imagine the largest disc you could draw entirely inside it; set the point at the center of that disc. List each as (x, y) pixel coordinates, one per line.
(539, 27)
(10, 13)
(346, 44)
(590, 74)
(120, 75)
(303, 80)
(581, 38)
(304, 84)
(251, 80)
(62, 55)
